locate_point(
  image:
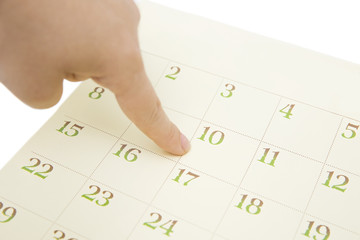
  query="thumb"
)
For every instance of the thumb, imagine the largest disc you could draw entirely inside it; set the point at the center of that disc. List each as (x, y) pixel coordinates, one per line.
(138, 100)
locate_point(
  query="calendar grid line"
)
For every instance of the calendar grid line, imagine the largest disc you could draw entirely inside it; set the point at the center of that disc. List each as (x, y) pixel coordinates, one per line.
(234, 185)
(250, 86)
(61, 165)
(158, 190)
(246, 171)
(318, 179)
(178, 160)
(336, 225)
(117, 137)
(231, 130)
(25, 208)
(84, 237)
(234, 131)
(82, 186)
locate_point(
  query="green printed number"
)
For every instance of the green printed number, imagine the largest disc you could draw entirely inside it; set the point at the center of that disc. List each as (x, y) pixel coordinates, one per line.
(253, 208)
(7, 213)
(31, 168)
(320, 230)
(215, 138)
(106, 196)
(168, 226)
(58, 235)
(129, 155)
(338, 186)
(73, 130)
(287, 110)
(192, 175)
(229, 90)
(96, 94)
(351, 128)
(174, 74)
(263, 159)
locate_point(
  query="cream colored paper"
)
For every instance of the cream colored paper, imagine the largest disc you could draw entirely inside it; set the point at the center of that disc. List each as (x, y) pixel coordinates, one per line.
(256, 170)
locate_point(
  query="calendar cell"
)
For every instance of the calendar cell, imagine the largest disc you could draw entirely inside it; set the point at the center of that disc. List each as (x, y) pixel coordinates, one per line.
(186, 124)
(303, 129)
(97, 106)
(67, 141)
(282, 176)
(313, 228)
(256, 108)
(251, 215)
(199, 88)
(154, 67)
(194, 196)
(44, 186)
(134, 171)
(58, 232)
(337, 198)
(23, 225)
(157, 224)
(221, 160)
(344, 152)
(99, 212)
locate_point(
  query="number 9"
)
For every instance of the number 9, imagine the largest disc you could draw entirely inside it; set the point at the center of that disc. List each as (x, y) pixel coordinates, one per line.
(5, 213)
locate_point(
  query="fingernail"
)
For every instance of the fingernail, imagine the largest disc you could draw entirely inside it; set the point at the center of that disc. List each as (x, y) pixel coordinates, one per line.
(185, 144)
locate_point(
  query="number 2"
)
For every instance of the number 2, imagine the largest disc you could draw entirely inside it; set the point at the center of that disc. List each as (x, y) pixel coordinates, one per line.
(158, 219)
(31, 168)
(89, 197)
(173, 75)
(338, 186)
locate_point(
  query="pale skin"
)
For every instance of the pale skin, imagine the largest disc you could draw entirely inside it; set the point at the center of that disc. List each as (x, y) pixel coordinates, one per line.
(43, 42)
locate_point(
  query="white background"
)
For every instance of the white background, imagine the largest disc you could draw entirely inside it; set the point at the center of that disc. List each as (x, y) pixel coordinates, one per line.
(327, 26)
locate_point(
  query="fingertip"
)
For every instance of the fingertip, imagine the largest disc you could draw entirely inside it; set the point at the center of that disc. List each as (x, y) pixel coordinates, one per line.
(185, 144)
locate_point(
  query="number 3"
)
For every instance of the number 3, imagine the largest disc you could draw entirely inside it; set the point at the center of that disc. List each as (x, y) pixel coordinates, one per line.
(232, 88)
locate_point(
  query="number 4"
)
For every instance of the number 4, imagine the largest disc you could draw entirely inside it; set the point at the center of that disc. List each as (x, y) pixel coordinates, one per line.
(288, 112)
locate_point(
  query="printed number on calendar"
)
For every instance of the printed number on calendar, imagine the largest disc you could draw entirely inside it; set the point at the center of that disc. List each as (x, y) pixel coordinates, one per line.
(173, 75)
(34, 169)
(70, 131)
(130, 155)
(214, 138)
(167, 226)
(97, 93)
(287, 110)
(59, 235)
(269, 160)
(102, 200)
(187, 178)
(350, 131)
(252, 206)
(7, 213)
(229, 90)
(342, 181)
(320, 230)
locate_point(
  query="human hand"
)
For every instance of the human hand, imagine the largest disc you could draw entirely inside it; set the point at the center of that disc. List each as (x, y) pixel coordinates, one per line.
(44, 41)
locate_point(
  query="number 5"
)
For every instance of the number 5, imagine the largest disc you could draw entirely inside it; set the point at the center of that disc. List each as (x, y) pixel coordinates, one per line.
(73, 128)
(353, 132)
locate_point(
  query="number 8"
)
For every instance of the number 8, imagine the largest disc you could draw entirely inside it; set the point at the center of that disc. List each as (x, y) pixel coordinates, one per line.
(98, 93)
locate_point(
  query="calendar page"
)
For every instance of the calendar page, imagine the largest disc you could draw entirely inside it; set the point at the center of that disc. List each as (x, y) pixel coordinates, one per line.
(275, 142)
